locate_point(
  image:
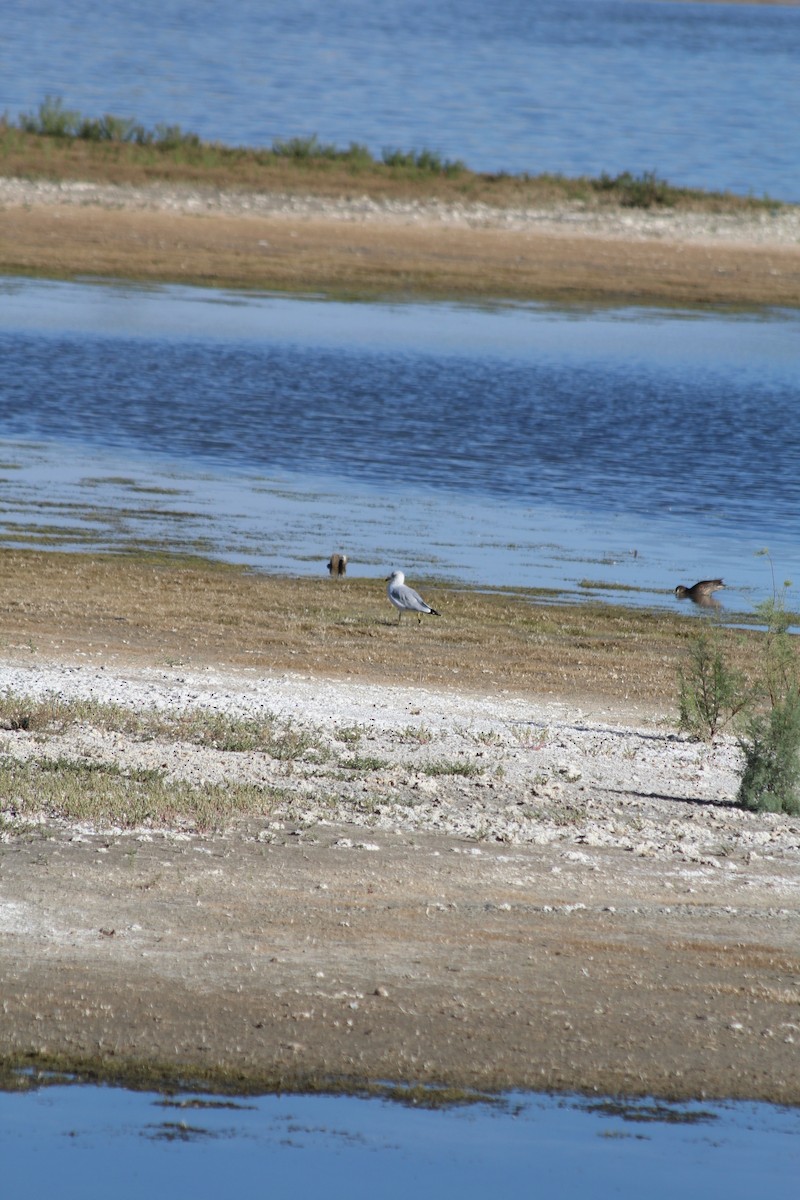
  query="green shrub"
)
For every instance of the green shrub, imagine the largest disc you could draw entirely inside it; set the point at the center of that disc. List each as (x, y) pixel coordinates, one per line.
(780, 657)
(712, 694)
(52, 119)
(638, 191)
(172, 137)
(397, 158)
(358, 155)
(111, 129)
(771, 742)
(300, 148)
(423, 162)
(770, 780)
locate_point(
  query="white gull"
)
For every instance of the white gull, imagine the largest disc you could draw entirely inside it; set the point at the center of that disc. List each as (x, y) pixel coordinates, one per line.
(404, 598)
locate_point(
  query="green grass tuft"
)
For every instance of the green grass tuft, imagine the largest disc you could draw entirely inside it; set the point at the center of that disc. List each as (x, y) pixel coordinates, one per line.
(467, 769)
(105, 794)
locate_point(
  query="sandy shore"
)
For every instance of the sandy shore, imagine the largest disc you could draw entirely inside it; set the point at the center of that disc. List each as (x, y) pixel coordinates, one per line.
(581, 907)
(363, 247)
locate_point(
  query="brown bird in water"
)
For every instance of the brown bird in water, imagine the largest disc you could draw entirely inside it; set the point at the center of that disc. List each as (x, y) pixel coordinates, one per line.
(337, 565)
(701, 593)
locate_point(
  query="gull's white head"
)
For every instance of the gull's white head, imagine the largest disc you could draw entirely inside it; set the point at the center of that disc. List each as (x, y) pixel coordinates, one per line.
(396, 577)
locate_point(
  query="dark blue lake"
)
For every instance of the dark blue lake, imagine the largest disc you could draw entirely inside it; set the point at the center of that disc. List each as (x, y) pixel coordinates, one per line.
(705, 95)
(611, 453)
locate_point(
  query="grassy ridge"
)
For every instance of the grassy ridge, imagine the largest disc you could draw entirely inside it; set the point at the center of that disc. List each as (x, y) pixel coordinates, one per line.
(59, 143)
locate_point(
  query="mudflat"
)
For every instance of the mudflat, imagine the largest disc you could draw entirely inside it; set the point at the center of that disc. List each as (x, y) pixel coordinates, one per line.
(473, 881)
(372, 248)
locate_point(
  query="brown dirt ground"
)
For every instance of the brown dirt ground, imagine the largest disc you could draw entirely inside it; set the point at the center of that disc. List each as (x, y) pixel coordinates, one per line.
(373, 259)
(302, 961)
(295, 961)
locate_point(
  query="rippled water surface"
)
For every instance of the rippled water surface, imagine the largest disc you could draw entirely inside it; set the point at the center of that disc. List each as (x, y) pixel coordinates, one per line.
(704, 94)
(87, 1143)
(597, 453)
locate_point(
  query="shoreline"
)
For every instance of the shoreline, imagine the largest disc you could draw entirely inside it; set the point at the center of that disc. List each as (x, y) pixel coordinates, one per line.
(507, 870)
(366, 248)
(578, 909)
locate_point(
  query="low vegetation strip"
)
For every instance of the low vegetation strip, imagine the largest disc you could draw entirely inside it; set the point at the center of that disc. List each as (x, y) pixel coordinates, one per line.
(105, 795)
(60, 143)
(183, 752)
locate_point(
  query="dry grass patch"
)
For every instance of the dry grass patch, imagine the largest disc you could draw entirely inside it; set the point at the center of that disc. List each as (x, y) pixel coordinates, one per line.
(104, 794)
(51, 716)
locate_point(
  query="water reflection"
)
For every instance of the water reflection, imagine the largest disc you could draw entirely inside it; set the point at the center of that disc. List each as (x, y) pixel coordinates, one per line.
(92, 1142)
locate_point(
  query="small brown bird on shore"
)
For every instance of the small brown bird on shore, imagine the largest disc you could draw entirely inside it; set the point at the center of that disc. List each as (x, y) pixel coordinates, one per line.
(337, 565)
(701, 593)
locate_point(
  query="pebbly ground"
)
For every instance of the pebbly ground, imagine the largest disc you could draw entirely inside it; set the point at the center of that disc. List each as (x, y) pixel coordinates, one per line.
(579, 906)
(485, 768)
(777, 227)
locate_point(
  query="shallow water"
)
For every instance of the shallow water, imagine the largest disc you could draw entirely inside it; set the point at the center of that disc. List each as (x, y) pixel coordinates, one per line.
(703, 94)
(87, 1142)
(610, 453)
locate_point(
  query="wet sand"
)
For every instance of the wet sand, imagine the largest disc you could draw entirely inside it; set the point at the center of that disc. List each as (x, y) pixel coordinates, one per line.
(360, 248)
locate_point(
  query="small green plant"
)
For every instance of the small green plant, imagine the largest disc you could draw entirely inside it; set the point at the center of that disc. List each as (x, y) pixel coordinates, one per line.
(349, 734)
(423, 162)
(421, 735)
(111, 129)
(303, 148)
(363, 762)
(467, 769)
(531, 737)
(770, 743)
(712, 693)
(767, 712)
(780, 658)
(169, 137)
(358, 155)
(638, 191)
(487, 737)
(52, 119)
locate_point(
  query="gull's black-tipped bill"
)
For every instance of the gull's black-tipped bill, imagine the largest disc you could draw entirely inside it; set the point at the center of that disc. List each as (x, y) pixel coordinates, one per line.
(405, 599)
(701, 593)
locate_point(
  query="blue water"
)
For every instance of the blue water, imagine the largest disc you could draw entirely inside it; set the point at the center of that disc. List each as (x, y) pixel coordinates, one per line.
(706, 95)
(88, 1143)
(516, 447)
